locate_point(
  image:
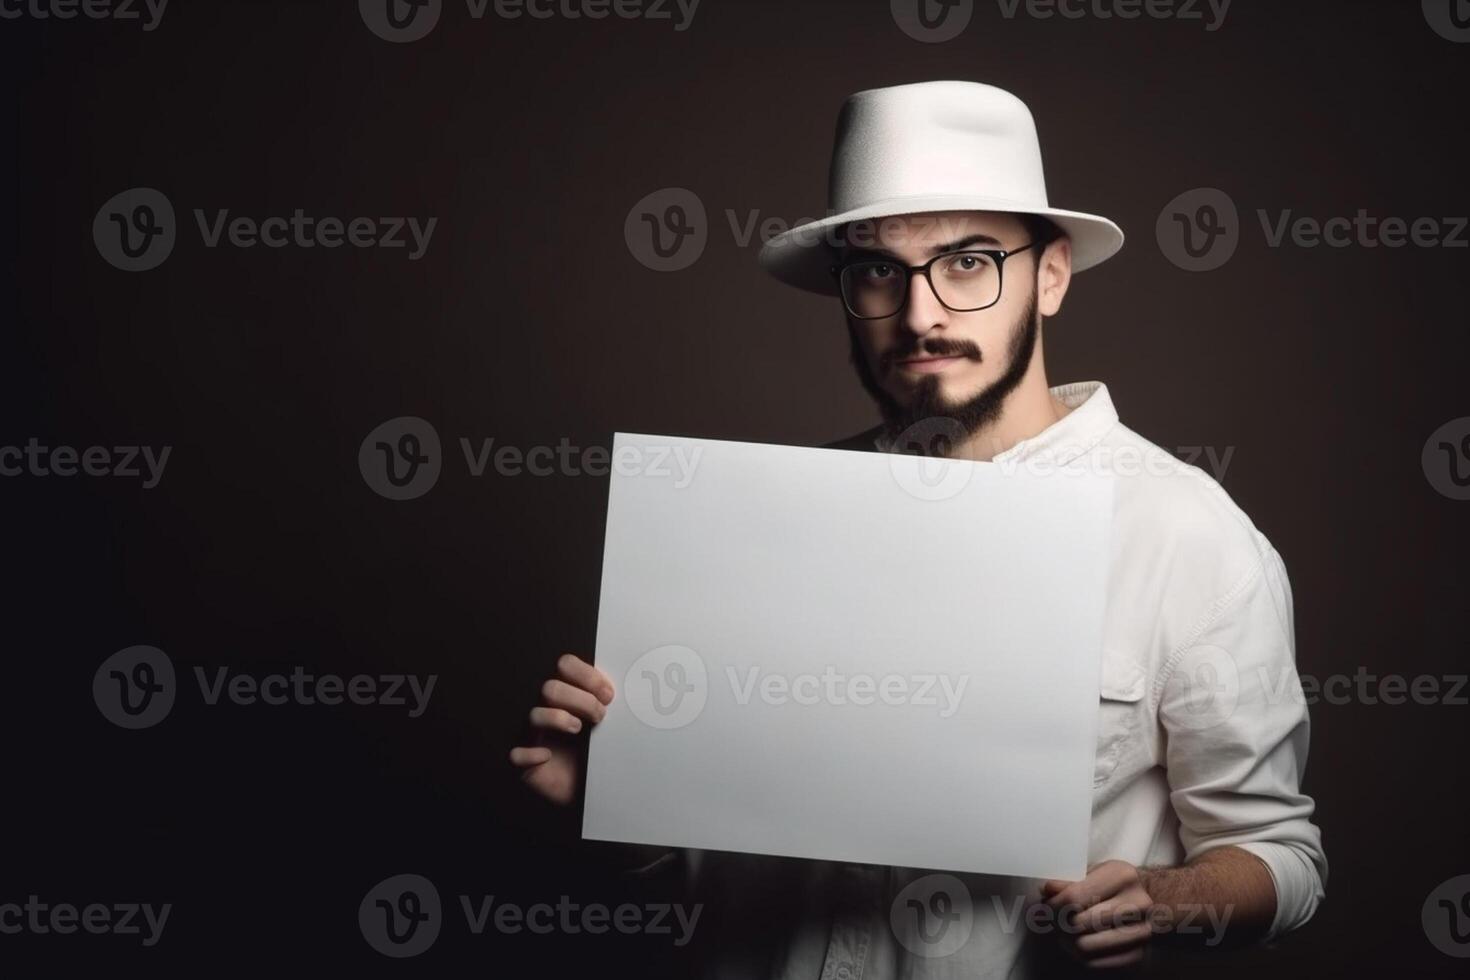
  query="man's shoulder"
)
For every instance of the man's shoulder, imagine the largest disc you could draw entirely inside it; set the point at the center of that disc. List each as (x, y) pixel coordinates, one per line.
(1177, 495)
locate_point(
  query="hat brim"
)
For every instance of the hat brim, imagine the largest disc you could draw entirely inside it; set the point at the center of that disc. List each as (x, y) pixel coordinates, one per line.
(801, 257)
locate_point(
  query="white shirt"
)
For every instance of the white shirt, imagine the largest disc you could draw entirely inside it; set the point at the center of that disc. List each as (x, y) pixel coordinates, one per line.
(1202, 740)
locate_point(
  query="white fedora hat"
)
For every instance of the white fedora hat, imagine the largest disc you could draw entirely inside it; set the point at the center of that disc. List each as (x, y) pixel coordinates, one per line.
(925, 148)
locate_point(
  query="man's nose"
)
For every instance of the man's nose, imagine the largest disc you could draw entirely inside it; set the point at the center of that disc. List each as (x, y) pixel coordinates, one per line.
(923, 312)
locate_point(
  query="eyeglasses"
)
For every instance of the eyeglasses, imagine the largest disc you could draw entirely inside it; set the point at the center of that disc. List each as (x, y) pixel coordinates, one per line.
(963, 282)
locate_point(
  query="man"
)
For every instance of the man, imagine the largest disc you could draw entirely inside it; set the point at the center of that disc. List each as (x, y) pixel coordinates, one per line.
(947, 259)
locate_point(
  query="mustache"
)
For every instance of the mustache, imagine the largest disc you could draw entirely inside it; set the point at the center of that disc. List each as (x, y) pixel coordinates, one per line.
(930, 347)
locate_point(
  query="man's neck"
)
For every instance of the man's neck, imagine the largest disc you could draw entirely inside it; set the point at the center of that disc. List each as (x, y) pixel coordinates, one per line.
(1029, 410)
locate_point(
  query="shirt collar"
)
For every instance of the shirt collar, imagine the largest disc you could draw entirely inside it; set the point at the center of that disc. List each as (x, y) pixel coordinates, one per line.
(1090, 420)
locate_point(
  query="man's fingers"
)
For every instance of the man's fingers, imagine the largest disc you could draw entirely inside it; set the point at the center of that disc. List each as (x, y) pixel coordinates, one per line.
(1112, 962)
(529, 755)
(1110, 941)
(560, 694)
(580, 673)
(1126, 909)
(556, 720)
(1103, 881)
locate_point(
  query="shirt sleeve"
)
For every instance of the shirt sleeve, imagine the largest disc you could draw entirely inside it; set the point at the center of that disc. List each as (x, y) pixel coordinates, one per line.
(1236, 724)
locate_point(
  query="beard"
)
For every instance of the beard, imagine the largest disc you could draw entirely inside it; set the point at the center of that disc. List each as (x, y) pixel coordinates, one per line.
(929, 423)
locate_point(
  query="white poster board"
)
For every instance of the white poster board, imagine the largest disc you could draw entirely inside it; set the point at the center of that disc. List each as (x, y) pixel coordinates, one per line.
(849, 656)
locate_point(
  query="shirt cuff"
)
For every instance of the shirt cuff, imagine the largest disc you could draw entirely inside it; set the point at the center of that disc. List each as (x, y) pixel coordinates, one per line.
(1299, 887)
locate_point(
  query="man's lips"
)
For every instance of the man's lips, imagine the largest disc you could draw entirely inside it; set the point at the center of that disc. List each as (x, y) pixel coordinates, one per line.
(930, 365)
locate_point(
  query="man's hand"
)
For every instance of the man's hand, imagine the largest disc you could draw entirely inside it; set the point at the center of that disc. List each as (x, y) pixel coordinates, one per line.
(578, 696)
(1225, 896)
(1106, 917)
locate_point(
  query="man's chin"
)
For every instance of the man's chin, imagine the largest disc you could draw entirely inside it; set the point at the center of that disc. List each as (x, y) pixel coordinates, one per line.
(932, 396)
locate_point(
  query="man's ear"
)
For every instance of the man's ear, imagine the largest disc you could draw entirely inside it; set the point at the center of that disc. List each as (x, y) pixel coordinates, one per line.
(1053, 276)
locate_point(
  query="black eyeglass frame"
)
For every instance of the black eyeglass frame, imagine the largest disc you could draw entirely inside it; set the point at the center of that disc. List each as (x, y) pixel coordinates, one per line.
(998, 255)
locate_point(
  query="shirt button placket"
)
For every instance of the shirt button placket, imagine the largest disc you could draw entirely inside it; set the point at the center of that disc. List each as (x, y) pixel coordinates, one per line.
(852, 925)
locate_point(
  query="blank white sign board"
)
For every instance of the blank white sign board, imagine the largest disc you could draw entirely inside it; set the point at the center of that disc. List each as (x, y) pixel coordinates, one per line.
(849, 656)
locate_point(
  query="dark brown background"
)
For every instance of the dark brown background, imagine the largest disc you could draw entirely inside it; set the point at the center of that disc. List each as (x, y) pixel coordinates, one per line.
(529, 321)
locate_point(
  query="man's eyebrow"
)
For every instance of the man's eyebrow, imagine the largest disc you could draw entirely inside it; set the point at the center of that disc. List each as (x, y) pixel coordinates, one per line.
(966, 242)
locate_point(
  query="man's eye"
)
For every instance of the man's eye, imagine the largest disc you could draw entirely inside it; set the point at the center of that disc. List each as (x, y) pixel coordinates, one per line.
(965, 264)
(877, 273)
